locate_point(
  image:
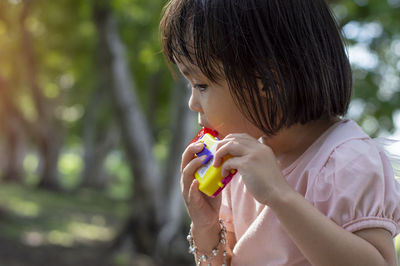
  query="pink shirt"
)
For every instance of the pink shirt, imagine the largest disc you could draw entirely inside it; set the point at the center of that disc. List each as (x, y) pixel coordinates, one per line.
(343, 174)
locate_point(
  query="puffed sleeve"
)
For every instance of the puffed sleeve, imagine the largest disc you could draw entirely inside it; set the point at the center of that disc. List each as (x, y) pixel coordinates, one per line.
(356, 188)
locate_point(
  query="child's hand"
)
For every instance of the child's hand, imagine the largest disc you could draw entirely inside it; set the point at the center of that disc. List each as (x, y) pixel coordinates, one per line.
(203, 210)
(257, 165)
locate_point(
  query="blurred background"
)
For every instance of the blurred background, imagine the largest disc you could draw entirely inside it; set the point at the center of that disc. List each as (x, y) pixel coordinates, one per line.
(92, 126)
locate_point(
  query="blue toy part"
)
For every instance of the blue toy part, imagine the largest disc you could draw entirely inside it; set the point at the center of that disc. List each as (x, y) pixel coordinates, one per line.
(206, 152)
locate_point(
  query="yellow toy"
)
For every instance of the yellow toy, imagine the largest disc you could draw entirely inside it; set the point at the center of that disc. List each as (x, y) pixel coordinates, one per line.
(210, 179)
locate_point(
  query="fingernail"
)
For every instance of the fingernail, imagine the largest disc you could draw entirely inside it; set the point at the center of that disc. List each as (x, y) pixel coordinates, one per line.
(200, 144)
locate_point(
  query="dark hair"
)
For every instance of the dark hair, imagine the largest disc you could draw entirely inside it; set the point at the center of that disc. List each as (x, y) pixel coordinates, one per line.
(293, 47)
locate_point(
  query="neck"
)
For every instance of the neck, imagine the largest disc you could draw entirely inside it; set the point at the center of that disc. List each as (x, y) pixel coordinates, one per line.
(290, 143)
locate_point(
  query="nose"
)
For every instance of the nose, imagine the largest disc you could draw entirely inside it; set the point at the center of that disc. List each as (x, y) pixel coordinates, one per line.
(194, 103)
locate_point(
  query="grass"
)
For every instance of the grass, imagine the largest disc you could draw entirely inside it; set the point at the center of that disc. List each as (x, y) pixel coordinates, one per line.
(40, 218)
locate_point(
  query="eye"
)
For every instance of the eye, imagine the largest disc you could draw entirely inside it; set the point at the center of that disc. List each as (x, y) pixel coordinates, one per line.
(200, 87)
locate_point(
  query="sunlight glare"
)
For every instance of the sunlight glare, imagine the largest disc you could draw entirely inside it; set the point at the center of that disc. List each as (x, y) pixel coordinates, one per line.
(24, 207)
(60, 238)
(33, 239)
(90, 232)
(362, 57)
(14, 2)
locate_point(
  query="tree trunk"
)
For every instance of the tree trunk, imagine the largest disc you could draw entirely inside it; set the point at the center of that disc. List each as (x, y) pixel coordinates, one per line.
(97, 143)
(136, 133)
(50, 148)
(157, 202)
(14, 151)
(183, 126)
(14, 140)
(135, 129)
(94, 174)
(152, 95)
(48, 131)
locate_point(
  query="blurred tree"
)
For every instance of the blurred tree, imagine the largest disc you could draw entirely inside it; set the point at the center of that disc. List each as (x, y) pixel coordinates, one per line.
(12, 121)
(13, 135)
(372, 29)
(99, 133)
(47, 65)
(48, 130)
(114, 67)
(157, 216)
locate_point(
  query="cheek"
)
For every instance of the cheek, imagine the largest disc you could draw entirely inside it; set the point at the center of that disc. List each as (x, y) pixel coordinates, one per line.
(227, 119)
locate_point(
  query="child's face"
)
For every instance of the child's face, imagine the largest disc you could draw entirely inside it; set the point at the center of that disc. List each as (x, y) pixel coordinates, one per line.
(215, 106)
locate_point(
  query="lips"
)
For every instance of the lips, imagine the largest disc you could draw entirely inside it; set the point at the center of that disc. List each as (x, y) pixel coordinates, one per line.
(202, 124)
(205, 125)
(201, 121)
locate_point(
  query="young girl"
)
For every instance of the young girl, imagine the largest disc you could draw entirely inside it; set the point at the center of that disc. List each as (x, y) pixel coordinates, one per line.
(272, 77)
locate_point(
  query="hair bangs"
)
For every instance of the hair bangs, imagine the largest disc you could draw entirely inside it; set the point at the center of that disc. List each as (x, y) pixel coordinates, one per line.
(188, 37)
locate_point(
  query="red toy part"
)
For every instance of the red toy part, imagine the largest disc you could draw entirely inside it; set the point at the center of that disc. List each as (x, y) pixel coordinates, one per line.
(203, 131)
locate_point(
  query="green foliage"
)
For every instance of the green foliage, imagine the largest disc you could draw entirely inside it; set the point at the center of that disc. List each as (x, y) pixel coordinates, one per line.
(30, 164)
(138, 22)
(70, 165)
(121, 183)
(372, 31)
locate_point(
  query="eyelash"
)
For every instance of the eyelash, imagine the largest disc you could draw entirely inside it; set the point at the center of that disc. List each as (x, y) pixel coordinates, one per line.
(200, 87)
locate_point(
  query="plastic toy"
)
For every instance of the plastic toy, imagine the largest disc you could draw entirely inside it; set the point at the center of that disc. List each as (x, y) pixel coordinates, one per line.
(210, 179)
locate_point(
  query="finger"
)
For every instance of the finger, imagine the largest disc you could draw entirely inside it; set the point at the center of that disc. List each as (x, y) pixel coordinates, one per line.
(229, 165)
(242, 138)
(188, 174)
(238, 136)
(216, 202)
(195, 196)
(197, 200)
(189, 153)
(228, 147)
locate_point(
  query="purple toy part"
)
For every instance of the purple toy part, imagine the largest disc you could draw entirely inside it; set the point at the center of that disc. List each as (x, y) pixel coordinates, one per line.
(217, 192)
(228, 178)
(225, 181)
(206, 152)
